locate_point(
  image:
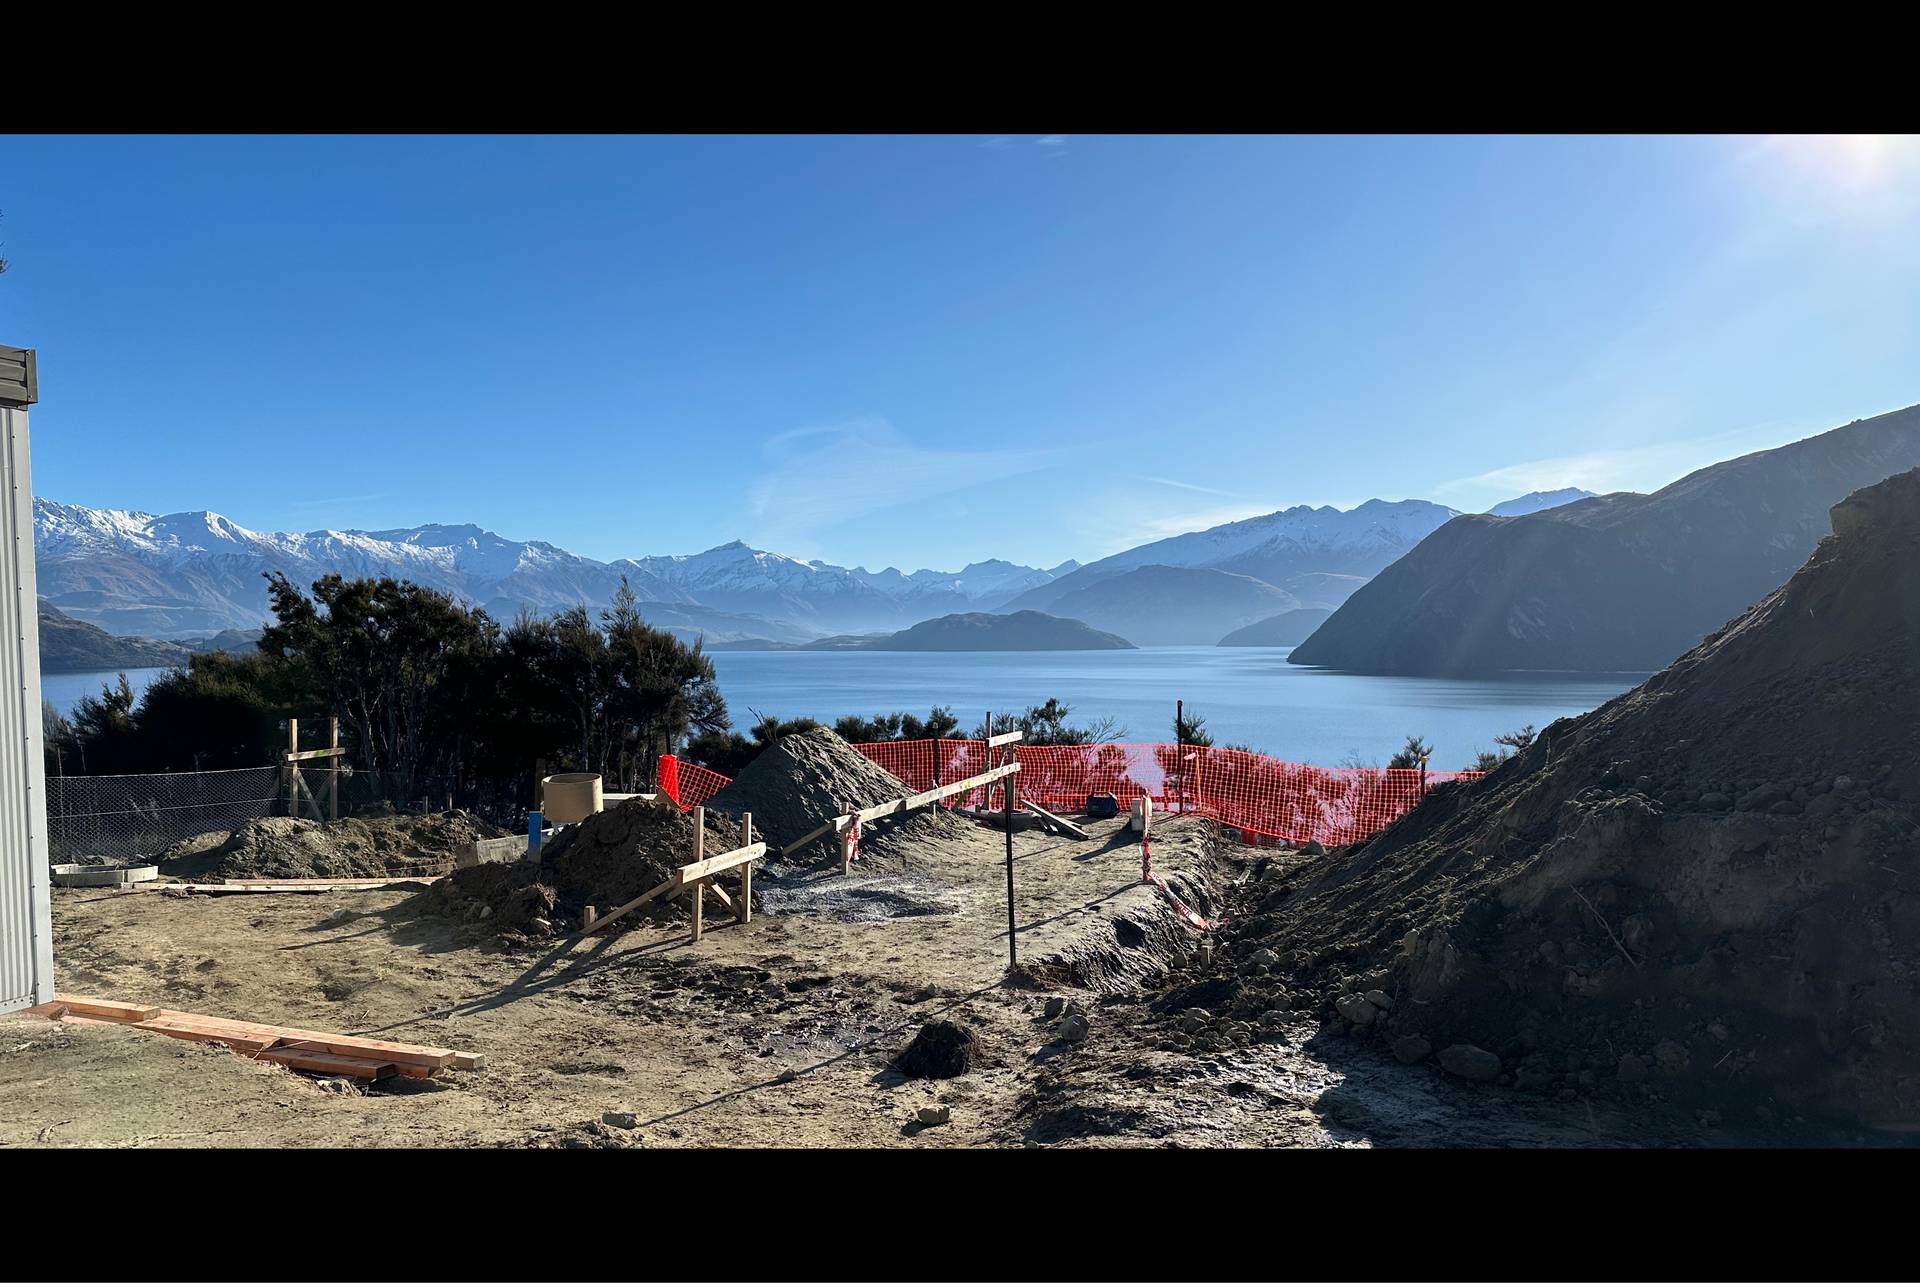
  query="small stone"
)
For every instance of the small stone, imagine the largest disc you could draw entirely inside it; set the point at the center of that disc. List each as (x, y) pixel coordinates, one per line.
(1074, 1029)
(1411, 1049)
(1379, 999)
(1273, 1019)
(1264, 958)
(934, 1115)
(539, 925)
(786, 1075)
(1313, 848)
(1356, 1009)
(339, 916)
(621, 1118)
(1631, 1069)
(1055, 1006)
(1475, 1064)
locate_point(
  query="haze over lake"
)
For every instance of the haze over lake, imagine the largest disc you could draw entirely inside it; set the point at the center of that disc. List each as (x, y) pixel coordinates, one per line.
(1249, 695)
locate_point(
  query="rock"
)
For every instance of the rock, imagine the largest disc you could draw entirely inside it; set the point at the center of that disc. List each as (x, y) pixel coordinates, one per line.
(1274, 1019)
(1074, 1029)
(1379, 999)
(1475, 1064)
(539, 926)
(1784, 806)
(934, 1115)
(339, 916)
(942, 1049)
(1631, 1069)
(621, 1118)
(1411, 1049)
(1356, 1009)
(1055, 1006)
(1714, 801)
(1264, 958)
(787, 1075)
(1313, 848)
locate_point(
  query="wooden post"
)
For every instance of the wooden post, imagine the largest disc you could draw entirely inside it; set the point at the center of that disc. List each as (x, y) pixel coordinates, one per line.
(333, 769)
(745, 911)
(293, 768)
(699, 886)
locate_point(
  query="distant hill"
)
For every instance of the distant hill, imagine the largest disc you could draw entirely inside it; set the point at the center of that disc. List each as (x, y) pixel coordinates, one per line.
(232, 639)
(1022, 630)
(1538, 501)
(1620, 582)
(971, 631)
(1288, 628)
(68, 645)
(1174, 605)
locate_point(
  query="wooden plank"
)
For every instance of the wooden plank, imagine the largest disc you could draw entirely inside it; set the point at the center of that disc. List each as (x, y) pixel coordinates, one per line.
(706, 868)
(699, 918)
(242, 1042)
(670, 884)
(1041, 811)
(320, 1062)
(468, 1061)
(1010, 737)
(314, 754)
(98, 1008)
(721, 895)
(309, 1039)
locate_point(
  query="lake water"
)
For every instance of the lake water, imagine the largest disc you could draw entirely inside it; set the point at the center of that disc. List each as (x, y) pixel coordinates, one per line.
(63, 690)
(1249, 695)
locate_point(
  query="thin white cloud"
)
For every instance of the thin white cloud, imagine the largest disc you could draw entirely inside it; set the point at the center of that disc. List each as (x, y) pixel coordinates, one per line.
(821, 477)
(1642, 468)
(1188, 485)
(1050, 140)
(1113, 523)
(341, 501)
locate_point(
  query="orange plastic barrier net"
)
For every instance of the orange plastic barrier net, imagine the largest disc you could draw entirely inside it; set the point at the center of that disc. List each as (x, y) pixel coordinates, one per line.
(1285, 801)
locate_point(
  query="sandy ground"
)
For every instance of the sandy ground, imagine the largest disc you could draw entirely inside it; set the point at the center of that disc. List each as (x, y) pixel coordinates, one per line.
(778, 1032)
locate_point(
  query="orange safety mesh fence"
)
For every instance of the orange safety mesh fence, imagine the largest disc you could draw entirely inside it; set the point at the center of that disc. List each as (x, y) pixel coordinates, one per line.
(687, 783)
(1260, 795)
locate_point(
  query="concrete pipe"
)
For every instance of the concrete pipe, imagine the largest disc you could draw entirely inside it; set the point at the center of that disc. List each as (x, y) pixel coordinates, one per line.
(570, 798)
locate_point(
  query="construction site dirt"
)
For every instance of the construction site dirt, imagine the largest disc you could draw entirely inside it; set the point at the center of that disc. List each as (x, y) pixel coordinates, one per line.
(782, 1031)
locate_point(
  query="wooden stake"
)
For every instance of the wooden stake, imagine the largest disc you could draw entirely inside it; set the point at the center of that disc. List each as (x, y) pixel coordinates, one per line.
(293, 767)
(745, 911)
(699, 854)
(333, 769)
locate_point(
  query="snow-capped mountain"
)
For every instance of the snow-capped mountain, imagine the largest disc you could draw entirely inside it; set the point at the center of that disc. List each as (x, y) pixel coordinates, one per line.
(1291, 549)
(192, 573)
(1539, 501)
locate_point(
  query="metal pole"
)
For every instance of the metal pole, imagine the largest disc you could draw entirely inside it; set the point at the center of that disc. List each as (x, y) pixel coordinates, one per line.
(1013, 945)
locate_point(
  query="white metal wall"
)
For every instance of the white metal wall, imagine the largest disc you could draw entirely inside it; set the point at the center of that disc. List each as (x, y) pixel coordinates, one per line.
(26, 928)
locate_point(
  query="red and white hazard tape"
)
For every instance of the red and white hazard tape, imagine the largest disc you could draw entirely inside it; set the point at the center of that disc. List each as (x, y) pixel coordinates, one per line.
(1147, 874)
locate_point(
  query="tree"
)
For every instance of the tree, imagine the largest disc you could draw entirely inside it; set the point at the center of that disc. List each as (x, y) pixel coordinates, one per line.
(1510, 743)
(1190, 728)
(1414, 754)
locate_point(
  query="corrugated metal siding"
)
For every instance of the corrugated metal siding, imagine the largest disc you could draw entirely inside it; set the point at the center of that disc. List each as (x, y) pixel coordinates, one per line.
(26, 929)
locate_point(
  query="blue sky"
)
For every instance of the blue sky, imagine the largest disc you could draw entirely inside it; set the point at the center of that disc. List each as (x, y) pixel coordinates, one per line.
(931, 350)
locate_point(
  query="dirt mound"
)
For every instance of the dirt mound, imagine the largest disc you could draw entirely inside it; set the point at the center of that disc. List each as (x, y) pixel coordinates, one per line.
(285, 847)
(941, 1049)
(1707, 890)
(604, 861)
(804, 780)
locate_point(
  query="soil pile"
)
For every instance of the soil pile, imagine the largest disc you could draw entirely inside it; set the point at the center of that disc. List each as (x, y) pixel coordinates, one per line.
(942, 1049)
(1707, 890)
(279, 846)
(802, 781)
(604, 861)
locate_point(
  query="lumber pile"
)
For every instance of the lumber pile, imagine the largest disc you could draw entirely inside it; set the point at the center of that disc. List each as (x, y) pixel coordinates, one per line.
(314, 1052)
(236, 886)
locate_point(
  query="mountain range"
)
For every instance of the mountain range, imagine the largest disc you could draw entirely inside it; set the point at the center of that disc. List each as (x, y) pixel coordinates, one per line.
(189, 574)
(1618, 582)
